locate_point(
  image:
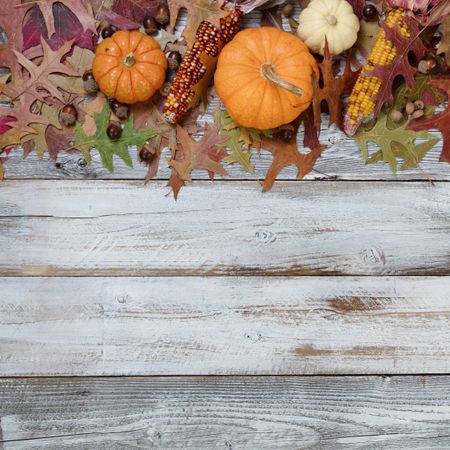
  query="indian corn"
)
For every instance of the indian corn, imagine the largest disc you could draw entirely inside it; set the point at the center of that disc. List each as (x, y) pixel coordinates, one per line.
(362, 100)
(197, 67)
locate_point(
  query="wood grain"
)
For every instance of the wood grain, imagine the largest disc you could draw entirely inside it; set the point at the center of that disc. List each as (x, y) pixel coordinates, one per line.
(121, 228)
(224, 325)
(269, 413)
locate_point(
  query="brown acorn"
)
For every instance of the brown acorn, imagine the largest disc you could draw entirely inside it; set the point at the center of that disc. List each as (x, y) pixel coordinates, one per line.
(108, 32)
(121, 110)
(114, 130)
(68, 115)
(173, 59)
(145, 155)
(89, 83)
(162, 15)
(150, 25)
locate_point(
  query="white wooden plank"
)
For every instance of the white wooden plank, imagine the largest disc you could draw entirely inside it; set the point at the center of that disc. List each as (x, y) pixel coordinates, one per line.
(224, 325)
(341, 161)
(123, 228)
(339, 413)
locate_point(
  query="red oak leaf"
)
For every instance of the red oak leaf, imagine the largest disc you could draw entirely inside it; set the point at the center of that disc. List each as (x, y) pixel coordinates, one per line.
(331, 89)
(4, 121)
(68, 24)
(439, 121)
(135, 10)
(286, 153)
(358, 7)
(400, 65)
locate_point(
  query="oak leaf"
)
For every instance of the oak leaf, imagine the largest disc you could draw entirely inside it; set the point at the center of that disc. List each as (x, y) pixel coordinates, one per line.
(439, 121)
(286, 153)
(331, 89)
(401, 64)
(198, 11)
(393, 144)
(107, 147)
(444, 44)
(198, 154)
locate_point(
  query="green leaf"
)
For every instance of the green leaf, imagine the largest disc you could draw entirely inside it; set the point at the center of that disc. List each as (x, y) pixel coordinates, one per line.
(394, 144)
(107, 147)
(239, 140)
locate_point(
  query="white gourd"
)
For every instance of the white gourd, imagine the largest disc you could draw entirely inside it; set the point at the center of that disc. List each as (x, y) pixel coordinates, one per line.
(330, 19)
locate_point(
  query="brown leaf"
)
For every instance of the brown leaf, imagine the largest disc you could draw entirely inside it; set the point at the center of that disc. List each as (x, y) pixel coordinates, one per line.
(444, 44)
(197, 154)
(332, 89)
(88, 109)
(286, 153)
(38, 79)
(439, 121)
(198, 10)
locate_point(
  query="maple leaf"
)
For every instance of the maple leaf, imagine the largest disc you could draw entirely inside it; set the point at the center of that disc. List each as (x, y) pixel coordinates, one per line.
(444, 44)
(58, 22)
(197, 154)
(401, 65)
(439, 121)
(393, 143)
(198, 11)
(332, 89)
(107, 147)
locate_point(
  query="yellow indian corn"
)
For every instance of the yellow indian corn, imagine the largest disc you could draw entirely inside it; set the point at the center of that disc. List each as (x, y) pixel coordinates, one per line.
(362, 100)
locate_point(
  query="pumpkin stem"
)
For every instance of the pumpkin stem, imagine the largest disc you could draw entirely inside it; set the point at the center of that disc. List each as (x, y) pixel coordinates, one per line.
(332, 20)
(268, 72)
(129, 60)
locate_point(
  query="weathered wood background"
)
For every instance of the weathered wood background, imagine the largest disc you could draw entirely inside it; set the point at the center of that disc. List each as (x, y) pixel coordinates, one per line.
(312, 316)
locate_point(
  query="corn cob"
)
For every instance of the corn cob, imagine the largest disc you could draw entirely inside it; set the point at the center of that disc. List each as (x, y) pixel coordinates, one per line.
(362, 100)
(197, 67)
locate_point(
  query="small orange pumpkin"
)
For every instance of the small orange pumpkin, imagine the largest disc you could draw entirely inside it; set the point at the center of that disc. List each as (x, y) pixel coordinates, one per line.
(129, 66)
(264, 77)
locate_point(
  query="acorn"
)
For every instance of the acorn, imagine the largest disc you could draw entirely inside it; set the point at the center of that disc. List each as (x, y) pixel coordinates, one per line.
(370, 13)
(417, 114)
(145, 155)
(409, 108)
(68, 115)
(108, 32)
(89, 83)
(288, 10)
(164, 89)
(396, 115)
(121, 110)
(173, 59)
(418, 105)
(285, 134)
(162, 15)
(114, 130)
(150, 25)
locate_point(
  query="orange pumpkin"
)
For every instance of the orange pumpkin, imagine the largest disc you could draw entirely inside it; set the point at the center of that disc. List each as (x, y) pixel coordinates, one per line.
(129, 66)
(264, 77)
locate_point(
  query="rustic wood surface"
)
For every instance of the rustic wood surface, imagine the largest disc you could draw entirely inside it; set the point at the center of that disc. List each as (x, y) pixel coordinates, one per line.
(299, 228)
(270, 413)
(158, 287)
(224, 325)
